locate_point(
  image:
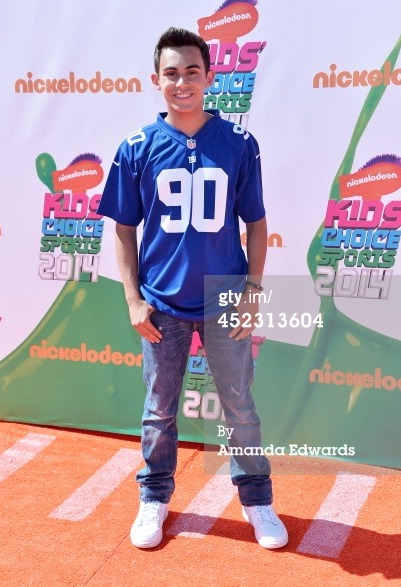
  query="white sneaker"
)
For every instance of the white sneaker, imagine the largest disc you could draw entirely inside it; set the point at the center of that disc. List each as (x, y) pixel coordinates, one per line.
(147, 530)
(270, 531)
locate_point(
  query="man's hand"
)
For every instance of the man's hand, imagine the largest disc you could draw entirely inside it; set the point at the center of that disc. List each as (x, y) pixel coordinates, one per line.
(246, 311)
(127, 258)
(139, 312)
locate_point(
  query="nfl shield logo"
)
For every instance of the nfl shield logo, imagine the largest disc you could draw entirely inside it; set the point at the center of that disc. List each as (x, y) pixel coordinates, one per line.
(191, 143)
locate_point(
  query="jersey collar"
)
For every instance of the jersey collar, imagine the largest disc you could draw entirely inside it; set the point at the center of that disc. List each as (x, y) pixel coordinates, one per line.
(181, 137)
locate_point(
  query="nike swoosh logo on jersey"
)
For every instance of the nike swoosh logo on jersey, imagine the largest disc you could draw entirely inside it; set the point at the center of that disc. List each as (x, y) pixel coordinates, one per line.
(115, 163)
(257, 156)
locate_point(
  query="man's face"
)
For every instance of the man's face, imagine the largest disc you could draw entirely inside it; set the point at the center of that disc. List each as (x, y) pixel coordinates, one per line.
(182, 78)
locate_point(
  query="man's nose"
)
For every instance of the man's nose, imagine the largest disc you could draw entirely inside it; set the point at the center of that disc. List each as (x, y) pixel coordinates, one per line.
(182, 80)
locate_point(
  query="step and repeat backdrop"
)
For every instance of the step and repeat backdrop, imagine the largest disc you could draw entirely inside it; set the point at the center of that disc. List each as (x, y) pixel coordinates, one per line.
(319, 85)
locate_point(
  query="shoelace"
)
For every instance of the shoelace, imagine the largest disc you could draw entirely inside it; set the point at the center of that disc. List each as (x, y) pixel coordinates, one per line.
(150, 512)
(266, 513)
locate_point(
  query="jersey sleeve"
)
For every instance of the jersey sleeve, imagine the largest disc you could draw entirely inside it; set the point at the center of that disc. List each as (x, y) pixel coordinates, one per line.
(249, 205)
(121, 198)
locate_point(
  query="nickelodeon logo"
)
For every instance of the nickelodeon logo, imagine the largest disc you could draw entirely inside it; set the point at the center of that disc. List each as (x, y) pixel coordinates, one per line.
(274, 240)
(79, 176)
(232, 20)
(375, 380)
(83, 354)
(72, 84)
(343, 79)
(371, 182)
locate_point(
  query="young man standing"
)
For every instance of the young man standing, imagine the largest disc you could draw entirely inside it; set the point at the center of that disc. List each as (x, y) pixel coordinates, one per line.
(190, 176)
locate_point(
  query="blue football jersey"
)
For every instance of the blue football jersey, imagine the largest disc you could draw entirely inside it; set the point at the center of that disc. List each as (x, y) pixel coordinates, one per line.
(190, 193)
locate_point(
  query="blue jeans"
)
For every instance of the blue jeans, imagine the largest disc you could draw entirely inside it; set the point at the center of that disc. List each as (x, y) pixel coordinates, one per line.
(231, 365)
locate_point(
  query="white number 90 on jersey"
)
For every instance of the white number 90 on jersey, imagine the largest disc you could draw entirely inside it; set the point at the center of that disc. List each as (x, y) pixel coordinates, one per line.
(191, 198)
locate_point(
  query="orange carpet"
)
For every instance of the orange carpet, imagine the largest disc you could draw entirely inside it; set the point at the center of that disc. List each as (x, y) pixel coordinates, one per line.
(68, 501)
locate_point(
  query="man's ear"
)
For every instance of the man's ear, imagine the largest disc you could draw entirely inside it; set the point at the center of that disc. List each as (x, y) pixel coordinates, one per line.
(210, 77)
(155, 80)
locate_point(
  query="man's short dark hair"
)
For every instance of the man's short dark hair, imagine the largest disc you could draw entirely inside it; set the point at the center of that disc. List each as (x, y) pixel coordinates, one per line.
(174, 37)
